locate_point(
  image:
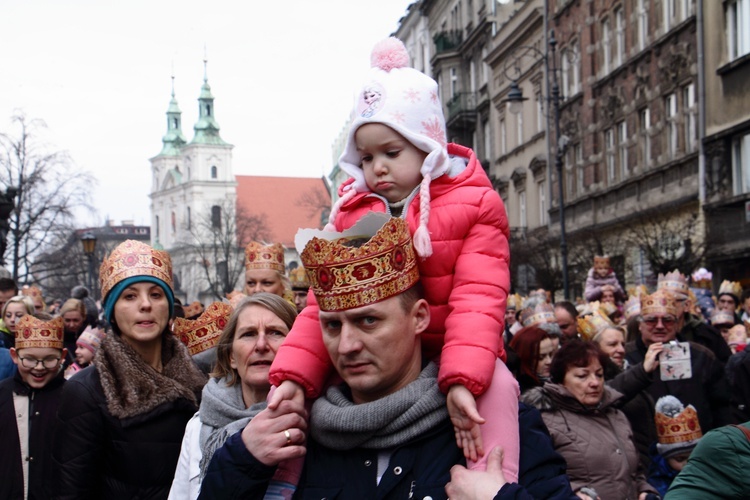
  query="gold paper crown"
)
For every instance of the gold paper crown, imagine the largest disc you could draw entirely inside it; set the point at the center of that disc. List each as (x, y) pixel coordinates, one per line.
(299, 280)
(702, 278)
(202, 333)
(721, 317)
(607, 308)
(193, 309)
(542, 313)
(602, 260)
(591, 325)
(235, 297)
(259, 256)
(682, 428)
(661, 301)
(514, 301)
(732, 288)
(675, 282)
(343, 277)
(134, 258)
(632, 307)
(31, 291)
(33, 332)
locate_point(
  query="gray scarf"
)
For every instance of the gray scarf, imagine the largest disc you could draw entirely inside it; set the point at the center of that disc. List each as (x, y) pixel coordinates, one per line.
(222, 414)
(339, 424)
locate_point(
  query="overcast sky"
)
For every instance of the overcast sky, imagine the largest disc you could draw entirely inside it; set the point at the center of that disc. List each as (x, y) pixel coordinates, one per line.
(98, 73)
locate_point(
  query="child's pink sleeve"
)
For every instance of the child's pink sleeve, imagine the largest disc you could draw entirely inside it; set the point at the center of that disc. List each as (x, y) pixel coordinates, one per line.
(303, 357)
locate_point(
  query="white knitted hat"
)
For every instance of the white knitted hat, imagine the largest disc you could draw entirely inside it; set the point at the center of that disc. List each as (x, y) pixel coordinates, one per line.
(406, 100)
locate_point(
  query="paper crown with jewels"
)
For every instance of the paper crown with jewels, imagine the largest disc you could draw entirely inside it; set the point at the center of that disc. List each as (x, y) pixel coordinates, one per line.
(33, 292)
(632, 307)
(134, 258)
(678, 428)
(235, 297)
(660, 302)
(346, 276)
(591, 325)
(34, 332)
(702, 278)
(675, 282)
(260, 256)
(732, 288)
(514, 302)
(601, 260)
(535, 314)
(298, 277)
(203, 333)
(721, 317)
(193, 309)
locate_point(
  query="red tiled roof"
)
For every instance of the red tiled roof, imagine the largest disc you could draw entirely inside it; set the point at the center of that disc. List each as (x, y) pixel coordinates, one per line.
(289, 203)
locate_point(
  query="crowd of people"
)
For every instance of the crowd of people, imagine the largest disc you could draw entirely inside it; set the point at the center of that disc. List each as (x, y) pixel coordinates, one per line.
(393, 363)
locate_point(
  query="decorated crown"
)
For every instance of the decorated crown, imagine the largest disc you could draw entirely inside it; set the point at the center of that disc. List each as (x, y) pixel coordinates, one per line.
(235, 297)
(259, 256)
(34, 332)
(632, 307)
(732, 288)
(721, 317)
(193, 309)
(514, 301)
(675, 282)
(344, 277)
(134, 258)
(299, 280)
(601, 260)
(202, 333)
(702, 278)
(661, 301)
(539, 313)
(591, 325)
(677, 428)
(31, 291)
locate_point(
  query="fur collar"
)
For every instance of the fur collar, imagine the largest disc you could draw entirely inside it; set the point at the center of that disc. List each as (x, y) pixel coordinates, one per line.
(553, 397)
(133, 388)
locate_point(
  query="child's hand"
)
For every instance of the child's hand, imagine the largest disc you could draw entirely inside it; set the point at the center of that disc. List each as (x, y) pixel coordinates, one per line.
(288, 390)
(466, 420)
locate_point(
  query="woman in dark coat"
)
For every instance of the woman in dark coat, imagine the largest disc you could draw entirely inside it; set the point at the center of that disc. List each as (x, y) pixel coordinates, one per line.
(121, 421)
(535, 348)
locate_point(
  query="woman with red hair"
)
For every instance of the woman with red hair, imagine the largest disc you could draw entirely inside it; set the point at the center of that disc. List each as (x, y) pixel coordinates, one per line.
(534, 348)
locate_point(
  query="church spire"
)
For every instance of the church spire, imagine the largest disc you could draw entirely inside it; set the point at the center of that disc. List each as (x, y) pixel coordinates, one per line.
(173, 139)
(206, 128)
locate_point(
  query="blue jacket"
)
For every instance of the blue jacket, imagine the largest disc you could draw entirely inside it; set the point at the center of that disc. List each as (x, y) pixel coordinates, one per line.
(416, 469)
(7, 366)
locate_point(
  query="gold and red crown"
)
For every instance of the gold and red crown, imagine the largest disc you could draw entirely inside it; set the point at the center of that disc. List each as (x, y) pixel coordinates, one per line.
(721, 317)
(259, 256)
(542, 313)
(601, 260)
(660, 302)
(732, 288)
(514, 302)
(235, 297)
(134, 258)
(33, 332)
(682, 428)
(675, 282)
(31, 291)
(299, 279)
(346, 277)
(203, 333)
(591, 325)
(193, 309)
(632, 307)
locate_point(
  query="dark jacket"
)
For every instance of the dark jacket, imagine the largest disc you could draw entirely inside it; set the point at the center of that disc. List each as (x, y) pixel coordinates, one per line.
(706, 335)
(423, 469)
(132, 453)
(42, 424)
(738, 374)
(660, 474)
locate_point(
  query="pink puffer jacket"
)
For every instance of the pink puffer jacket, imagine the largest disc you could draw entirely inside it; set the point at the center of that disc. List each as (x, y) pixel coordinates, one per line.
(466, 282)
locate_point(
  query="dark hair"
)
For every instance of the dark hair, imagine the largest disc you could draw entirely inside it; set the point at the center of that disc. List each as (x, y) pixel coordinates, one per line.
(633, 328)
(8, 284)
(525, 343)
(569, 307)
(745, 294)
(575, 353)
(411, 296)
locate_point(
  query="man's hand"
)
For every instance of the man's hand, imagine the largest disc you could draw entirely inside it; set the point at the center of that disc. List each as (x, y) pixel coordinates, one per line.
(466, 420)
(651, 360)
(287, 391)
(273, 436)
(475, 484)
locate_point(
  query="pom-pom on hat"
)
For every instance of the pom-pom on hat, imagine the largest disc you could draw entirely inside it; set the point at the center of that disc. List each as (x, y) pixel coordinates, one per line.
(203, 333)
(407, 101)
(677, 427)
(91, 338)
(34, 332)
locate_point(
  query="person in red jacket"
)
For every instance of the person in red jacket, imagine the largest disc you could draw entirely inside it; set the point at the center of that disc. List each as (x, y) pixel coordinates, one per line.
(400, 163)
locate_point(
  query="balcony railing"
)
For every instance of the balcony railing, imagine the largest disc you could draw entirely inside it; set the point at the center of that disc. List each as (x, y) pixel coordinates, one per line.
(462, 102)
(447, 40)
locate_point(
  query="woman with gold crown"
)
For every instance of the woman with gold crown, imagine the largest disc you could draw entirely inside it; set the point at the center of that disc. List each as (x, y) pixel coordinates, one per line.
(121, 421)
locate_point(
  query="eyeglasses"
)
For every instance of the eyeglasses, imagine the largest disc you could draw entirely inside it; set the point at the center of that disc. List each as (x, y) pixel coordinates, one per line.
(667, 321)
(48, 363)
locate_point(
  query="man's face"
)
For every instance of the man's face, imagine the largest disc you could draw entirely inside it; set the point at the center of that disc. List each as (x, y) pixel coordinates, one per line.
(376, 348)
(726, 303)
(300, 299)
(4, 296)
(510, 317)
(658, 327)
(565, 321)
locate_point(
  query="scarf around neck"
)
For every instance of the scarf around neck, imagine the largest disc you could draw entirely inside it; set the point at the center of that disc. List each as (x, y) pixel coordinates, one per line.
(222, 414)
(337, 423)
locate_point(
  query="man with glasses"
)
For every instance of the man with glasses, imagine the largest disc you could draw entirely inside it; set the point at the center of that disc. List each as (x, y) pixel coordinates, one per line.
(706, 389)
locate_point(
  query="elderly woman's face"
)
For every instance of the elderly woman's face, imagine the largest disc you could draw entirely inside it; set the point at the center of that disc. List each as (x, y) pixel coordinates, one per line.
(612, 342)
(263, 280)
(586, 383)
(258, 336)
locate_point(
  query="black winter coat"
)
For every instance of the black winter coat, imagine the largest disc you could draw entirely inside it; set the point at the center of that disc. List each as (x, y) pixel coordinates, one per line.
(42, 424)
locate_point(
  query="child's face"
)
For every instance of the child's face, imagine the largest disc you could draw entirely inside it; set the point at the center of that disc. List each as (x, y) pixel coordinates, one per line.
(390, 163)
(83, 355)
(601, 269)
(677, 462)
(46, 364)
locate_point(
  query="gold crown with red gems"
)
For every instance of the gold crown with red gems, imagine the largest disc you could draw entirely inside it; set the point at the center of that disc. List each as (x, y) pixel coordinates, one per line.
(193, 309)
(346, 277)
(259, 256)
(134, 258)
(34, 332)
(675, 282)
(541, 313)
(299, 279)
(683, 428)
(203, 333)
(661, 301)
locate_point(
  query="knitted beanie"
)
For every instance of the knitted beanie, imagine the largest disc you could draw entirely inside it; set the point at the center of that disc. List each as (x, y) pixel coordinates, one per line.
(91, 338)
(407, 101)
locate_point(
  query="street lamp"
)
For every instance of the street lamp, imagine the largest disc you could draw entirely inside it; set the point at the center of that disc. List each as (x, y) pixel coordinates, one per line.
(515, 102)
(88, 240)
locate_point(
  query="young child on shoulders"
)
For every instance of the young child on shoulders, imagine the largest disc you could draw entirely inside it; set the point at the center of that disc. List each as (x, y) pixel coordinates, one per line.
(602, 283)
(400, 163)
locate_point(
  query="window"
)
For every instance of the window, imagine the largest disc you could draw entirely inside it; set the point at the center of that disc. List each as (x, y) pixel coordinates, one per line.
(738, 28)
(539, 113)
(189, 219)
(741, 164)
(157, 227)
(645, 125)
(214, 172)
(503, 137)
(541, 187)
(642, 13)
(670, 14)
(174, 222)
(216, 217)
(609, 151)
(571, 76)
(487, 139)
(519, 128)
(622, 148)
(688, 102)
(606, 46)
(454, 82)
(619, 37)
(522, 208)
(578, 155)
(485, 67)
(670, 103)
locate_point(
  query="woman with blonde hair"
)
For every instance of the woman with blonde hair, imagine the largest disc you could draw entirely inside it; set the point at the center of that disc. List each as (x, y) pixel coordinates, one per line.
(73, 313)
(13, 310)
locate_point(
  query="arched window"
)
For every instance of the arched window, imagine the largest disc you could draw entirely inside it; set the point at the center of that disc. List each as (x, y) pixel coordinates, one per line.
(214, 172)
(188, 218)
(216, 216)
